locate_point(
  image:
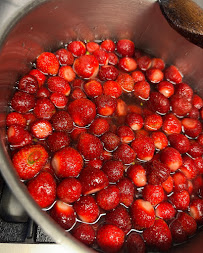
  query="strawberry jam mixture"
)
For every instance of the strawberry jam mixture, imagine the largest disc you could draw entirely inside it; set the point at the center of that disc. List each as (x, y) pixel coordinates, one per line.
(108, 140)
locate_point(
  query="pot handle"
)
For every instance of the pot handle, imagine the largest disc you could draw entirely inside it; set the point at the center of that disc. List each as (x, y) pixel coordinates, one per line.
(186, 17)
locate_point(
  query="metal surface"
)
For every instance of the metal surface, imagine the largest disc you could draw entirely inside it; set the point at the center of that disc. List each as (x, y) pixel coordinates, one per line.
(54, 23)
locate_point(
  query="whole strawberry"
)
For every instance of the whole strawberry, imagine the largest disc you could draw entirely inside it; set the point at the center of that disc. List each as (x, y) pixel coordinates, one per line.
(48, 63)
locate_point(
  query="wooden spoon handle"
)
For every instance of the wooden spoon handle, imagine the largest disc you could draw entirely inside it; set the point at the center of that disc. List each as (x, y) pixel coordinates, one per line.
(186, 17)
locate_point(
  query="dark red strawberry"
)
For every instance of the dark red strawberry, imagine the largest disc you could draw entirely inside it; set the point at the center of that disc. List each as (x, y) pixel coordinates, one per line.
(165, 210)
(29, 84)
(184, 90)
(154, 75)
(197, 101)
(173, 75)
(41, 128)
(189, 168)
(126, 82)
(22, 102)
(99, 126)
(158, 173)
(199, 164)
(125, 47)
(102, 56)
(77, 48)
(29, 160)
(138, 76)
(180, 105)
(92, 180)
(108, 198)
(144, 62)
(106, 105)
(108, 73)
(93, 88)
(171, 124)
(127, 64)
(137, 174)
(180, 200)
(112, 88)
(42, 188)
(59, 84)
(196, 150)
(125, 154)
(48, 63)
(158, 63)
(192, 127)
(108, 45)
(153, 122)
(16, 135)
(194, 113)
(90, 146)
(69, 190)
(110, 141)
(15, 118)
(87, 209)
(57, 141)
(63, 214)
(158, 236)
(166, 88)
(113, 59)
(142, 89)
(158, 103)
(67, 162)
(59, 100)
(142, 213)
(75, 134)
(62, 121)
(135, 121)
(125, 133)
(135, 243)
(171, 158)
(160, 140)
(180, 181)
(110, 238)
(84, 233)
(179, 142)
(196, 210)
(43, 93)
(65, 57)
(77, 93)
(44, 109)
(120, 218)
(67, 73)
(114, 170)
(188, 223)
(82, 111)
(177, 231)
(92, 46)
(41, 78)
(96, 163)
(168, 185)
(153, 193)
(127, 191)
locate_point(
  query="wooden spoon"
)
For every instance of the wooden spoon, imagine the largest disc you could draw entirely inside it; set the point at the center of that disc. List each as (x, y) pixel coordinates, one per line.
(186, 17)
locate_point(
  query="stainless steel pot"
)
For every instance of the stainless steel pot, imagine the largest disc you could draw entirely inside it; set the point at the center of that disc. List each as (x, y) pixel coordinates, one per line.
(47, 25)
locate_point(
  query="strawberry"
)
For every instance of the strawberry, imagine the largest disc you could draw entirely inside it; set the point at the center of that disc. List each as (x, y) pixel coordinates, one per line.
(125, 133)
(64, 57)
(126, 190)
(58, 84)
(41, 78)
(43, 93)
(62, 121)
(75, 134)
(168, 185)
(199, 164)
(29, 84)
(138, 76)
(84, 233)
(102, 56)
(160, 140)
(127, 64)
(165, 210)
(142, 213)
(113, 59)
(87, 209)
(158, 103)
(188, 223)
(106, 105)
(108, 45)
(42, 188)
(82, 111)
(192, 127)
(153, 122)
(158, 236)
(30, 118)
(196, 210)
(92, 46)
(120, 218)
(154, 75)
(171, 158)
(158, 63)
(63, 214)
(125, 47)
(86, 66)
(77, 93)
(194, 113)
(157, 173)
(137, 174)
(143, 147)
(99, 126)
(180, 105)
(142, 89)
(197, 101)
(29, 160)
(166, 88)
(78, 83)
(110, 141)
(67, 162)
(126, 82)
(199, 139)
(44, 109)
(114, 170)
(67, 73)
(47, 63)
(108, 73)
(69, 190)
(179, 142)
(106, 155)
(92, 180)
(124, 153)
(89, 146)
(177, 231)
(196, 150)
(77, 48)
(15, 118)
(135, 243)
(173, 75)
(108, 198)
(144, 62)
(22, 102)
(184, 90)
(153, 193)
(96, 163)
(135, 121)
(93, 88)
(59, 100)
(41, 128)
(171, 124)
(16, 135)
(180, 200)
(58, 140)
(121, 108)
(188, 168)
(112, 89)
(110, 238)
(180, 181)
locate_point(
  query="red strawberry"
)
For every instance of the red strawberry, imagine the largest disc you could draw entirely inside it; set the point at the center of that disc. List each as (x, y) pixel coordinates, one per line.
(154, 75)
(63, 214)
(102, 56)
(113, 59)
(125, 133)
(142, 89)
(28, 84)
(166, 88)
(114, 170)
(165, 210)
(16, 135)
(30, 118)
(92, 46)
(90, 146)
(188, 168)
(59, 84)
(199, 139)
(153, 122)
(82, 111)
(84, 233)
(29, 160)
(180, 105)
(99, 126)
(93, 88)
(158, 103)
(142, 213)
(59, 100)
(92, 180)
(194, 113)
(196, 150)
(124, 153)
(180, 181)
(15, 118)
(199, 164)
(96, 163)
(120, 218)
(67, 73)
(153, 193)
(171, 158)
(57, 141)
(127, 191)
(192, 127)
(160, 140)
(41, 78)
(173, 75)
(171, 124)
(179, 142)
(196, 210)
(69, 190)
(110, 238)
(135, 121)
(77, 93)
(78, 83)
(138, 76)
(125, 47)
(48, 63)
(44, 108)
(41, 129)
(197, 101)
(108, 45)
(65, 57)
(144, 62)
(106, 105)
(86, 66)
(188, 223)
(143, 147)
(108, 73)
(158, 173)
(77, 48)
(127, 64)
(75, 134)
(137, 174)
(158, 63)
(135, 243)
(67, 162)
(180, 200)
(87, 209)
(126, 82)
(43, 93)
(22, 102)
(112, 89)
(62, 121)
(158, 236)
(184, 90)
(168, 185)
(121, 108)
(42, 188)
(177, 231)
